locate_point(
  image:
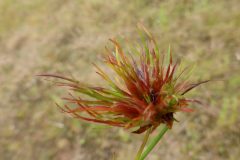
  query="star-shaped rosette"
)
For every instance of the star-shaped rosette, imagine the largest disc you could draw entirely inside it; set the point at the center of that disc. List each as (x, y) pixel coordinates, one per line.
(146, 89)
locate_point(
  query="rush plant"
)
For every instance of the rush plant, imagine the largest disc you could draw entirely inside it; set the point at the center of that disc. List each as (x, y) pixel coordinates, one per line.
(147, 89)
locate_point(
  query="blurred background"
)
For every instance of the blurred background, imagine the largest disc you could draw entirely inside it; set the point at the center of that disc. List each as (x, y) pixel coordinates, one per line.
(66, 36)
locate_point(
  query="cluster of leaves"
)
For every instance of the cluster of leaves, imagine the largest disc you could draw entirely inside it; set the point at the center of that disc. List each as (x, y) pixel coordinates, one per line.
(145, 92)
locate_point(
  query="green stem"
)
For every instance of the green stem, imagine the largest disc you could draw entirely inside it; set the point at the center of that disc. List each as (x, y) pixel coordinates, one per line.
(143, 144)
(154, 142)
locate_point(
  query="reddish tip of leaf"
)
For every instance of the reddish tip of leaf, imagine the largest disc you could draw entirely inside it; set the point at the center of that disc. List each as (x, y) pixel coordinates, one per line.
(185, 109)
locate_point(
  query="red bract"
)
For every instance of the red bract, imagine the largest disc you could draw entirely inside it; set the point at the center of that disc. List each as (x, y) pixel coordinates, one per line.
(145, 92)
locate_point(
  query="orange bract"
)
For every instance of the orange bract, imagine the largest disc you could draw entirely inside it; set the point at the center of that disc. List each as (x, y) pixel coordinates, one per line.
(149, 94)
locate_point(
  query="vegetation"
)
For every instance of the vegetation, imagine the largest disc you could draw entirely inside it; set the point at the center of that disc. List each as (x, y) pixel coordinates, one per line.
(64, 37)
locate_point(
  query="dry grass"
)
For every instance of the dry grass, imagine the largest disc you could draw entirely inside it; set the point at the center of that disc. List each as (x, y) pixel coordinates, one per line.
(61, 36)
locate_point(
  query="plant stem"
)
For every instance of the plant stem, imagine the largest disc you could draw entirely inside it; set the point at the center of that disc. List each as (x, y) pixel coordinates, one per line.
(154, 142)
(143, 144)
